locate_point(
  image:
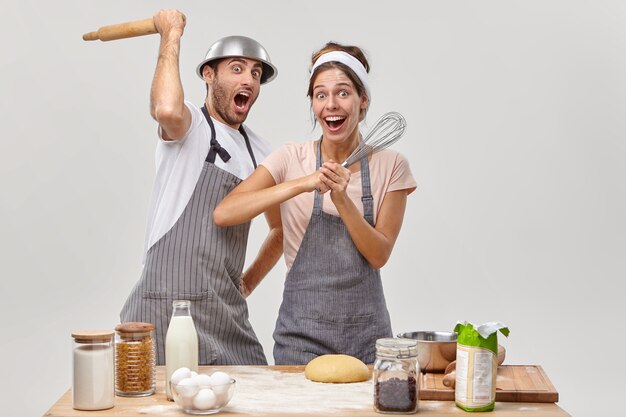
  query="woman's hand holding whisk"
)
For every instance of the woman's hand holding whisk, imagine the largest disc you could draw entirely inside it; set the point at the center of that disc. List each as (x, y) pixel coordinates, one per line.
(335, 178)
(314, 182)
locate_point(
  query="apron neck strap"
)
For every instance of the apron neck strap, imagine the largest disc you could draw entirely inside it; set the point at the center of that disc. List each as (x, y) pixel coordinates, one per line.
(216, 149)
(248, 145)
(366, 187)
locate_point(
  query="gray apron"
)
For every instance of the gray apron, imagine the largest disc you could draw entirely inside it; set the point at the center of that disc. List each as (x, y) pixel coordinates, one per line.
(199, 261)
(333, 300)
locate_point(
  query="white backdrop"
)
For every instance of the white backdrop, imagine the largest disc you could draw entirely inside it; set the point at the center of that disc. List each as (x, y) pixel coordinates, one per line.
(516, 138)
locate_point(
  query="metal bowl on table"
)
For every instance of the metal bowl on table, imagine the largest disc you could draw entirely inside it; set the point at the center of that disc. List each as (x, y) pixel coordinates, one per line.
(435, 350)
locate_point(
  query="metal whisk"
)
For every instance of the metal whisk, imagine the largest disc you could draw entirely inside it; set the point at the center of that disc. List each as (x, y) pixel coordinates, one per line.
(385, 132)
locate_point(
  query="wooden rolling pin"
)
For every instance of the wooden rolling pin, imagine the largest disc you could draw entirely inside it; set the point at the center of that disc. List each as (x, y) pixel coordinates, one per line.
(449, 379)
(122, 30)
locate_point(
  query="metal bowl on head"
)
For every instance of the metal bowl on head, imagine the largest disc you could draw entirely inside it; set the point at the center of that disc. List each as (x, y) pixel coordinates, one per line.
(435, 350)
(234, 46)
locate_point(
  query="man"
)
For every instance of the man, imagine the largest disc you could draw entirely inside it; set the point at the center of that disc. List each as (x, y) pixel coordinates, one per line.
(202, 154)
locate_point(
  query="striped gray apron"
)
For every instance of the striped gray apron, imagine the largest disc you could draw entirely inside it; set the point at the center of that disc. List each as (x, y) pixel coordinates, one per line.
(199, 261)
(333, 300)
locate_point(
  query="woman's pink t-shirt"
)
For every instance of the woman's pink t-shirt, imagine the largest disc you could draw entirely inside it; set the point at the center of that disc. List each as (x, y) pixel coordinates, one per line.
(389, 171)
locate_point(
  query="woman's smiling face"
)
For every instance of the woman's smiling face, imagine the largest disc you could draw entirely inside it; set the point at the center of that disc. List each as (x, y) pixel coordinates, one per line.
(336, 104)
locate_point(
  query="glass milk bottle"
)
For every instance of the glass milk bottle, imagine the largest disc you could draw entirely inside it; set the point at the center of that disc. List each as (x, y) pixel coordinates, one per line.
(93, 387)
(181, 343)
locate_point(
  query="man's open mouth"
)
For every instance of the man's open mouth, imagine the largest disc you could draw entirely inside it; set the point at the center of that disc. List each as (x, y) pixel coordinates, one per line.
(241, 100)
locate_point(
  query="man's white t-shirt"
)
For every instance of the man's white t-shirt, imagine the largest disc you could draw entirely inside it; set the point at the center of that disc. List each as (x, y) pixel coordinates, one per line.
(179, 164)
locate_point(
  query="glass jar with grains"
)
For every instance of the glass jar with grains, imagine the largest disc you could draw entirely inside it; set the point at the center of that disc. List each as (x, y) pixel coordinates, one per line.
(135, 360)
(396, 370)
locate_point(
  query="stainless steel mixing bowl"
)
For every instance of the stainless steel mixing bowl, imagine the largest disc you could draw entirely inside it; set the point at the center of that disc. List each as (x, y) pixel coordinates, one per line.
(435, 350)
(232, 46)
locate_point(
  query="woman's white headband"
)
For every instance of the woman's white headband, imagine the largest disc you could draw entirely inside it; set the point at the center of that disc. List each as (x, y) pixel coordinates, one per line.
(348, 60)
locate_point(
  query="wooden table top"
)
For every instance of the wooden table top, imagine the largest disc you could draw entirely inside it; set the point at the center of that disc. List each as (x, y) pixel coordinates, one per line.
(284, 391)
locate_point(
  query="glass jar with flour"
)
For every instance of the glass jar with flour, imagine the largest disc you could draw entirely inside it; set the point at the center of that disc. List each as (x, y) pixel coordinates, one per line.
(93, 386)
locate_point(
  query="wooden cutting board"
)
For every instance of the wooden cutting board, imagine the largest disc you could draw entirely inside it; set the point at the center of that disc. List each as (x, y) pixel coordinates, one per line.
(515, 383)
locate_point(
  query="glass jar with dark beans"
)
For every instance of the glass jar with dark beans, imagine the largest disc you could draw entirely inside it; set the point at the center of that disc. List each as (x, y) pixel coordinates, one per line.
(396, 390)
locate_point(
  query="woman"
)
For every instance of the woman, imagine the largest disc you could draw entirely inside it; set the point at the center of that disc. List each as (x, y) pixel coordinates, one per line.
(333, 300)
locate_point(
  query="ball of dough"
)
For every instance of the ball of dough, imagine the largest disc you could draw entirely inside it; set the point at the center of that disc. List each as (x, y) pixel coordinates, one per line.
(337, 368)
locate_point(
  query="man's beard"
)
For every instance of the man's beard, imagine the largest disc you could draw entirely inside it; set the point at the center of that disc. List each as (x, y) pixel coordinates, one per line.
(221, 105)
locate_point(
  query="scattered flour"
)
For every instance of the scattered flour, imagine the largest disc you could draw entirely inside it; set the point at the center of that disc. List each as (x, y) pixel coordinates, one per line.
(282, 392)
(157, 409)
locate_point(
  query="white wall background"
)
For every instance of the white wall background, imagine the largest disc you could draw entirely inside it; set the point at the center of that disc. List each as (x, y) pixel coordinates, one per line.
(516, 137)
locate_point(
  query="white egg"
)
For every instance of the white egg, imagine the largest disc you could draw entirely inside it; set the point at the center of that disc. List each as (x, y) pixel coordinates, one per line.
(203, 380)
(220, 378)
(194, 374)
(221, 383)
(180, 374)
(204, 399)
(187, 388)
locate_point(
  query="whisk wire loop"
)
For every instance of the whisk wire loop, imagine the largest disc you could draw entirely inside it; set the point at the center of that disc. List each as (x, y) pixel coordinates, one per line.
(386, 131)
